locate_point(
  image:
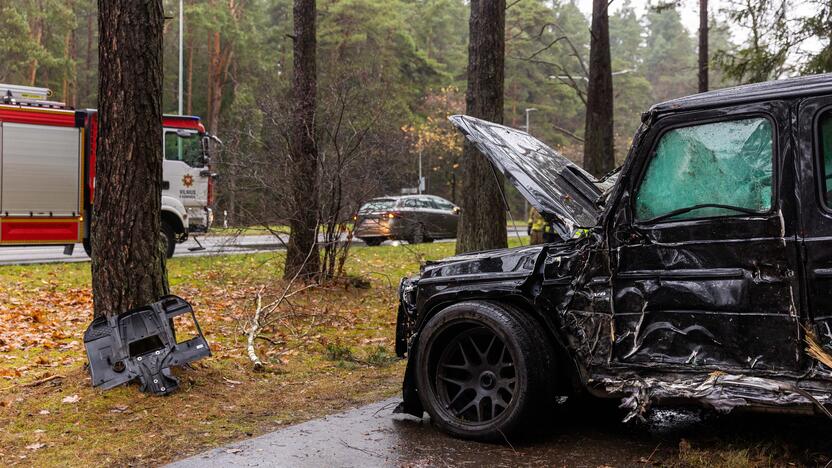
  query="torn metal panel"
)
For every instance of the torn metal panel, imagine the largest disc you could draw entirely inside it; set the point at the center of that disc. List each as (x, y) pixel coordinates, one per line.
(141, 344)
(717, 390)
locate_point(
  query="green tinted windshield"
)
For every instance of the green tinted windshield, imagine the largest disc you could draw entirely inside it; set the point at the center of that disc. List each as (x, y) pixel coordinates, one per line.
(826, 146)
(722, 163)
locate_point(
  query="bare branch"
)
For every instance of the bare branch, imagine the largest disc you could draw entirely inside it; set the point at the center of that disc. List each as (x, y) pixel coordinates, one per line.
(567, 133)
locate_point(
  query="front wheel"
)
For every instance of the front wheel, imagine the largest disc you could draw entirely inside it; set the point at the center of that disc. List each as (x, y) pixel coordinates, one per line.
(168, 237)
(482, 370)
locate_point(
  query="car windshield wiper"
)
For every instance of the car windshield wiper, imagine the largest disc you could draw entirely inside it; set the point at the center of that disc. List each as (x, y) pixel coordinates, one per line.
(703, 205)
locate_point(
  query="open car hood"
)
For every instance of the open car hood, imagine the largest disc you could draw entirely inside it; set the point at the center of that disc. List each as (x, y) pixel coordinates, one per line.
(563, 193)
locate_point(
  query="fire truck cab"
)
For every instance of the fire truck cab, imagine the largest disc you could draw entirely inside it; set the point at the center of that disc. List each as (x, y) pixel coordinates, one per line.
(47, 172)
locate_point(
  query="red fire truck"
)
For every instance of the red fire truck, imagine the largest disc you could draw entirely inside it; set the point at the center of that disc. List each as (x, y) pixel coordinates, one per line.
(47, 172)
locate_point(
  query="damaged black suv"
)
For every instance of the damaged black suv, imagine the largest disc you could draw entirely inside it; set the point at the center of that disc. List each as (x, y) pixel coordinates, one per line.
(703, 273)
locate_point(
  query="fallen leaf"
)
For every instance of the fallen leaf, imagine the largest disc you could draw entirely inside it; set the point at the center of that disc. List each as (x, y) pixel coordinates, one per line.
(71, 399)
(36, 446)
(232, 382)
(119, 408)
(43, 411)
(233, 450)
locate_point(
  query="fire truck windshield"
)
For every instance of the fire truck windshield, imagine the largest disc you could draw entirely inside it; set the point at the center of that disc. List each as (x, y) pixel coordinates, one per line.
(185, 146)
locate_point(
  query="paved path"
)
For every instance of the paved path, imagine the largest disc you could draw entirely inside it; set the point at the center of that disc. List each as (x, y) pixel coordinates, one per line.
(214, 245)
(589, 435)
(373, 436)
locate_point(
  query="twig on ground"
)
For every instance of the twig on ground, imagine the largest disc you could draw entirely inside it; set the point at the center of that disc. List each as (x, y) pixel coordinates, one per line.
(254, 332)
(43, 381)
(263, 316)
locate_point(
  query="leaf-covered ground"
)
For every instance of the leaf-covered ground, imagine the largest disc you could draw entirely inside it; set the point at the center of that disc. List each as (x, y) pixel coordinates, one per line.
(333, 349)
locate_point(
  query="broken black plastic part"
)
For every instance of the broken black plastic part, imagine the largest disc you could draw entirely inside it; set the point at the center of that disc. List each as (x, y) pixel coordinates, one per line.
(141, 343)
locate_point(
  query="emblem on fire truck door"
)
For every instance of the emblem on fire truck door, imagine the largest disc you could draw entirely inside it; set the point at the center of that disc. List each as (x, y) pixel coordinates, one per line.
(188, 180)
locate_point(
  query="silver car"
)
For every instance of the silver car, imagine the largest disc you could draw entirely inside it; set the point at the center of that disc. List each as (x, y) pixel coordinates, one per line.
(414, 218)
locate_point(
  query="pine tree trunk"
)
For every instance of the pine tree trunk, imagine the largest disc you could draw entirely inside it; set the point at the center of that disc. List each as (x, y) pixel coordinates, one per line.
(86, 77)
(703, 46)
(599, 157)
(127, 262)
(216, 85)
(482, 223)
(37, 36)
(302, 252)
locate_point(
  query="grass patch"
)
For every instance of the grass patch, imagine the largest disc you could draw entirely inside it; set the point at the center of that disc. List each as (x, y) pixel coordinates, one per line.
(339, 352)
(44, 310)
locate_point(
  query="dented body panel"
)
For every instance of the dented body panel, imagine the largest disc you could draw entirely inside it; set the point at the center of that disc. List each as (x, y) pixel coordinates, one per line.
(729, 306)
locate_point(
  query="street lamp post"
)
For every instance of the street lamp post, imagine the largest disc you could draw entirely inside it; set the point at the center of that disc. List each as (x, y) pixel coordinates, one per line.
(528, 111)
(181, 29)
(419, 183)
(179, 97)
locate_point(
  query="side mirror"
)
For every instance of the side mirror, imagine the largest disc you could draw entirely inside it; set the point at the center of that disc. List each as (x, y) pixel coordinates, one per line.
(457, 210)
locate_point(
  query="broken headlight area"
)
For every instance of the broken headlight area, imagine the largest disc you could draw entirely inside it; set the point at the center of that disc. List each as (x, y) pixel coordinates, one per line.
(141, 344)
(406, 315)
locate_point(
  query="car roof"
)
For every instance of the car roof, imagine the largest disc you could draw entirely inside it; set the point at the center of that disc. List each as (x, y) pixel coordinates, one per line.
(778, 89)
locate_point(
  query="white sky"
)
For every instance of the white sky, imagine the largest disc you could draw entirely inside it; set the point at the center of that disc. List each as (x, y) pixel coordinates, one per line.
(689, 9)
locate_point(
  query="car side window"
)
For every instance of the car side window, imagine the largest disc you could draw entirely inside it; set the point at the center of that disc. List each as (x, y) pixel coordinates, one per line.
(714, 169)
(825, 133)
(444, 205)
(426, 203)
(409, 203)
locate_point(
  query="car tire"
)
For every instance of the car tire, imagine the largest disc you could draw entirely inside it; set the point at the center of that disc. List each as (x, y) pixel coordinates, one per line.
(483, 370)
(417, 236)
(169, 238)
(372, 241)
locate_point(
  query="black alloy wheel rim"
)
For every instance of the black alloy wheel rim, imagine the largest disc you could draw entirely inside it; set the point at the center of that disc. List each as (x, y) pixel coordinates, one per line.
(475, 376)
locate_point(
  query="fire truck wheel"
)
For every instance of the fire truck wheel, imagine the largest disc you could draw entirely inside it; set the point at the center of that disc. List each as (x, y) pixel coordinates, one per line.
(87, 247)
(169, 238)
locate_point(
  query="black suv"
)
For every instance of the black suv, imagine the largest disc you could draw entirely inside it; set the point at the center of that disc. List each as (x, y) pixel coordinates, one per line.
(704, 274)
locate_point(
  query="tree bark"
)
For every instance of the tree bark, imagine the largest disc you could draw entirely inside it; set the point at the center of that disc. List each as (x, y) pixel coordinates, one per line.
(127, 263)
(703, 46)
(85, 90)
(36, 28)
(482, 223)
(302, 252)
(599, 157)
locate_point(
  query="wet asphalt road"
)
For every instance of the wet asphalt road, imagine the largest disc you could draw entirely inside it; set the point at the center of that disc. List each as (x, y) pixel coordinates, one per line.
(589, 437)
(213, 245)
(372, 436)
